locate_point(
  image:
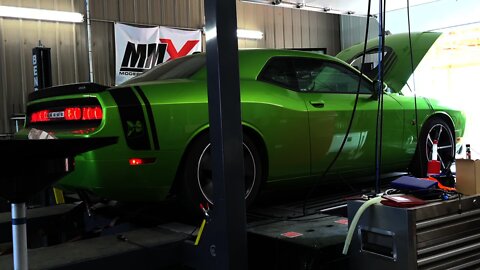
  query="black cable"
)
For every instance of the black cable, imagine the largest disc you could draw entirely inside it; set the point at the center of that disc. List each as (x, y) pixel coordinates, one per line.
(377, 188)
(377, 176)
(414, 89)
(193, 231)
(380, 109)
(317, 183)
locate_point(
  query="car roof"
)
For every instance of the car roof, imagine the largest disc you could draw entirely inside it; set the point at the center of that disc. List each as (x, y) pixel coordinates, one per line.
(251, 61)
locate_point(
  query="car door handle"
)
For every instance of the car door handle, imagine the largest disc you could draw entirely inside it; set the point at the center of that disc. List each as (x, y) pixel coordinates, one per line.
(318, 103)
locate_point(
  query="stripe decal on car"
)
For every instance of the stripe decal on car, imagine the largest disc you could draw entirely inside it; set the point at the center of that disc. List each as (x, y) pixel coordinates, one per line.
(153, 127)
(132, 117)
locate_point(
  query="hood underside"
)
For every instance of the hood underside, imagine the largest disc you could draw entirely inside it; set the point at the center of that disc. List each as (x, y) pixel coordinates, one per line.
(397, 64)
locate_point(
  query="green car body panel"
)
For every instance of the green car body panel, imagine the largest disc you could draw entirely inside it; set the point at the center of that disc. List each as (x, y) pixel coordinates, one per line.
(299, 140)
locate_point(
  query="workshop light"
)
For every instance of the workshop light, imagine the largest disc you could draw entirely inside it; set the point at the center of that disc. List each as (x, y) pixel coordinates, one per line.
(249, 34)
(40, 14)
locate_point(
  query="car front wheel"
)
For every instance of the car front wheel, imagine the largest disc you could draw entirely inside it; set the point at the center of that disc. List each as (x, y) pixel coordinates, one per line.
(435, 129)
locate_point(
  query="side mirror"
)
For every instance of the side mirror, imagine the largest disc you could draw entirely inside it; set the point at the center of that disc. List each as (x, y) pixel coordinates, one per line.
(377, 91)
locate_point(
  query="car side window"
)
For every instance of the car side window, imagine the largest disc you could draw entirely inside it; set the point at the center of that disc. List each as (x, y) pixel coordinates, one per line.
(279, 70)
(315, 75)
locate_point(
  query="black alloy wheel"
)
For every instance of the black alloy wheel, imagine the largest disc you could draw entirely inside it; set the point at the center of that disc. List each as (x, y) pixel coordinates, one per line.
(435, 129)
(197, 184)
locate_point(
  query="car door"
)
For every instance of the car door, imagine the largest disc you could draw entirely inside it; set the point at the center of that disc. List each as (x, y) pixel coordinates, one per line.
(276, 108)
(329, 89)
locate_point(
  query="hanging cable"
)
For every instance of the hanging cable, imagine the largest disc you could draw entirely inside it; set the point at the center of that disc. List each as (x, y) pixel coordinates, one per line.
(413, 79)
(89, 42)
(315, 186)
(379, 125)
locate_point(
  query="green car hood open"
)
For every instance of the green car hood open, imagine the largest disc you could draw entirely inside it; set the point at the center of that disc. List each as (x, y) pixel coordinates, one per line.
(397, 63)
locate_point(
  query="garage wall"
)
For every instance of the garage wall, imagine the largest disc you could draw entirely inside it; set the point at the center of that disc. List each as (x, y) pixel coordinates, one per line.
(18, 37)
(288, 27)
(179, 13)
(352, 30)
(282, 27)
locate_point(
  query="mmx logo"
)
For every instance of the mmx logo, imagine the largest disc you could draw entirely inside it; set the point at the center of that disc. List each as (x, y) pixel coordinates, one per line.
(142, 57)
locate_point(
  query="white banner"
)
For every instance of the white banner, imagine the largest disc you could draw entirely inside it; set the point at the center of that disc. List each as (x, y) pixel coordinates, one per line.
(139, 49)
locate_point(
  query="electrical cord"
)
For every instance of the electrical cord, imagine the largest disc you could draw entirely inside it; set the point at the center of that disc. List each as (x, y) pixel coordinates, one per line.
(413, 78)
(379, 124)
(423, 194)
(193, 231)
(317, 183)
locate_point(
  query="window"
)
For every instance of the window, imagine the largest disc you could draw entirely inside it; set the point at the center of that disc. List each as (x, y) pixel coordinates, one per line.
(180, 68)
(279, 70)
(315, 75)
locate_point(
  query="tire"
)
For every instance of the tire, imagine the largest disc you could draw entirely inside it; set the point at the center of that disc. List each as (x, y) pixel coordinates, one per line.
(196, 180)
(435, 128)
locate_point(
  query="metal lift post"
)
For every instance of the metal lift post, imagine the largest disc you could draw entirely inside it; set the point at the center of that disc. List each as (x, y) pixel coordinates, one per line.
(224, 245)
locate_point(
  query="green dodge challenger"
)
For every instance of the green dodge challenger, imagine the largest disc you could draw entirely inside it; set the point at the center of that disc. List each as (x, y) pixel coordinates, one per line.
(296, 107)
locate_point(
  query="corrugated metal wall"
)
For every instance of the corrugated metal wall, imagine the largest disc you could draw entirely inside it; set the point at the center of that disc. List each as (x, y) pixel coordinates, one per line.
(282, 27)
(18, 37)
(288, 28)
(352, 30)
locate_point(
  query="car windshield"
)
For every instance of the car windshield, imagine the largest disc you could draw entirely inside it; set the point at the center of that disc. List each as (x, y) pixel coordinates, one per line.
(180, 68)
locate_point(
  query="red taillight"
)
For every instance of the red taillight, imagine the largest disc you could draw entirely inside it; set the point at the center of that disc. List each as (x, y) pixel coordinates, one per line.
(68, 114)
(92, 113)
(40, 116)
(74, 113)
(98, 113)
(140, 161)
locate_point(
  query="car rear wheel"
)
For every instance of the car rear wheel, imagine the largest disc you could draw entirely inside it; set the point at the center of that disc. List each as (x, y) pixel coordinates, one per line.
(435, 129)
(197, 184)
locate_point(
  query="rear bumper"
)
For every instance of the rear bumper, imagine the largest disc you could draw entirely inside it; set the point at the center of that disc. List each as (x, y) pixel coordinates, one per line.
(116, 179)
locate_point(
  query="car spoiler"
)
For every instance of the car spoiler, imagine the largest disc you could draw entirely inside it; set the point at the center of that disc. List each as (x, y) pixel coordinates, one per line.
(67, 89)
